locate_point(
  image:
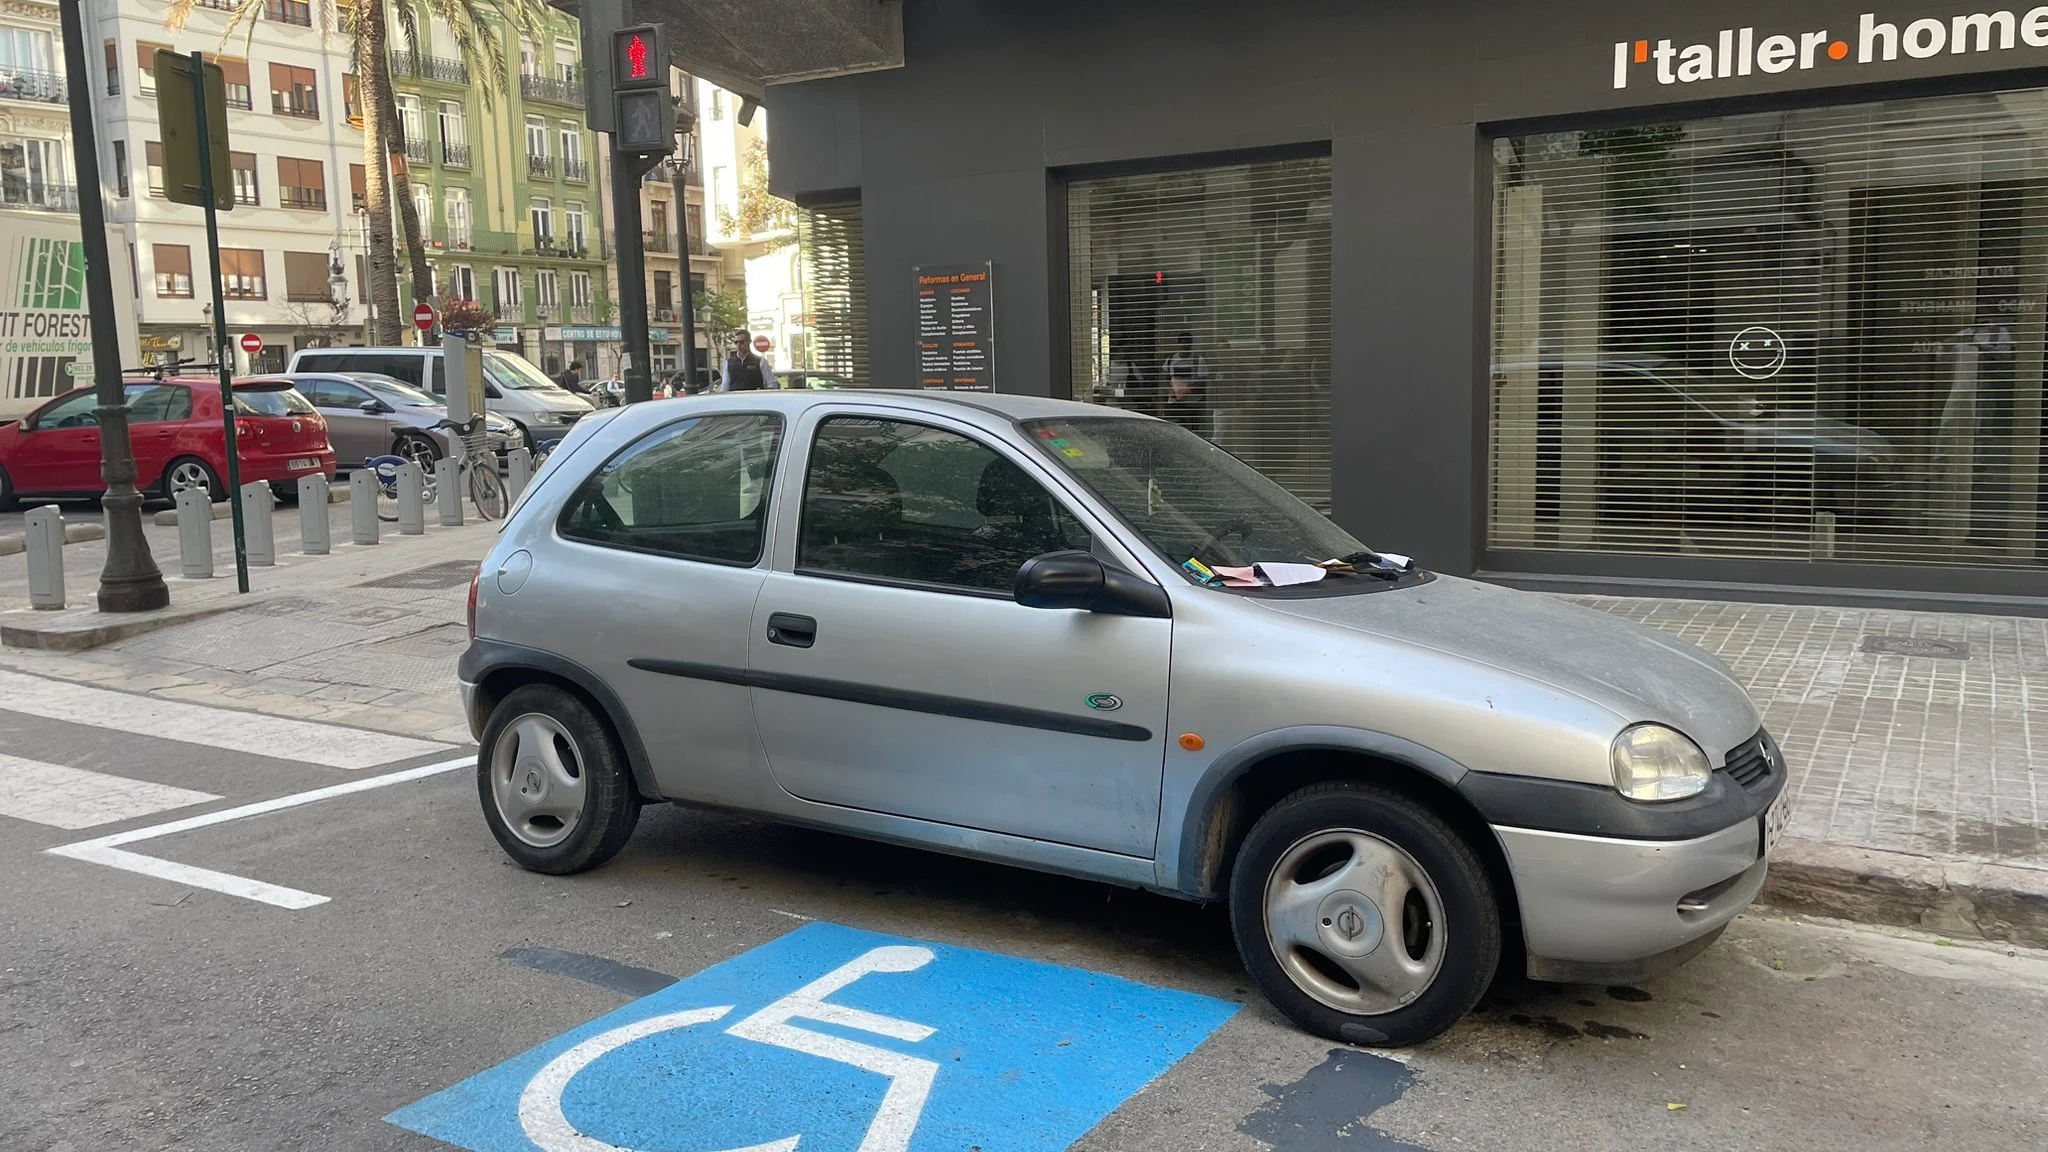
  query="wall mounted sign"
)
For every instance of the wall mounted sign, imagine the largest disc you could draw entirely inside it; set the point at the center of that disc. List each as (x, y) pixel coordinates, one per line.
(956, 327)
(1732, 53)
(1757, 352)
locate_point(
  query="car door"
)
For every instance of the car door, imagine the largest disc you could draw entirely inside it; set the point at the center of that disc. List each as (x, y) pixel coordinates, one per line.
(662, 553)
(156, 413)
(355, 434)
(894, 672)
(59, 449)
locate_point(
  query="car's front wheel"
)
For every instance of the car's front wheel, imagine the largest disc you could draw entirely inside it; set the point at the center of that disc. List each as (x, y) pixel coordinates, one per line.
(1363, 916)
(555, 786)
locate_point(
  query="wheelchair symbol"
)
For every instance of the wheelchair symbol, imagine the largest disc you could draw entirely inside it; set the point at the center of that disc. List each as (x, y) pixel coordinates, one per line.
(910, 1079)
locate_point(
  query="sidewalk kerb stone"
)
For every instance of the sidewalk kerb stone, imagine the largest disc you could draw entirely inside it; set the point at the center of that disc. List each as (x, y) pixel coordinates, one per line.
(1951, 897)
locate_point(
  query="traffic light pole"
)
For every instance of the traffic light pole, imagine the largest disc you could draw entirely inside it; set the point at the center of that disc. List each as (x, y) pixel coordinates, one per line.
(627, 171)
(223, 354)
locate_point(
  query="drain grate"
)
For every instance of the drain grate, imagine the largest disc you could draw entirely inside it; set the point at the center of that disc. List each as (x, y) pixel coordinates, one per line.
(448, 574)
(1916, 646)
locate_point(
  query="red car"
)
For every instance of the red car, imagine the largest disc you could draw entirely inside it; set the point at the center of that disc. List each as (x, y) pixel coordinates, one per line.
(179, 443)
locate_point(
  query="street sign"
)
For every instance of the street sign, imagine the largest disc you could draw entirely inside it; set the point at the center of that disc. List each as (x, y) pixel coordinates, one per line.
(763, 344)
(835, 1038)
(177, 115)
(423, 316)
(251, 343)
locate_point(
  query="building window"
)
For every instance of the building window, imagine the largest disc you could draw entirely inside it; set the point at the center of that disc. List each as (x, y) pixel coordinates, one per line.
(579, 289)
(113, 54)
(1794, 336)
(536, 137)
(455, 202)
(507, 292)
(717, 103)
(121, 169)
(543, 224)
(832, 273)
(358, 188)
(305, 278)
(301, 184)
(462, 282)
(299, 12)
(664, 296)
(575, 235)
(414, 125)
(235, 82)
(423, 205)
(572, 141)
(32, 174)
(657, 220)
(294, 91)
(547, 291)
(241, 273)
(526, 58)
(1203, 296)
(454, 135)
(351, 98)
(153, 166)
(173, 263)
(145, 60)
(243, 165)
(565, 64)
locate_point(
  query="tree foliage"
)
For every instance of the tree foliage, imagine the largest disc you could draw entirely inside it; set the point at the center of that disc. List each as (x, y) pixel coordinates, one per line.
(761, 215)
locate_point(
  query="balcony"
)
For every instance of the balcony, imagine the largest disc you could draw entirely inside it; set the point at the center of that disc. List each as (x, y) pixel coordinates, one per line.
(454, 155)
(581, 313)
(437, 68)
(657, 242)
(576, 171)
(304, 199)
(302, 105)
(299, 12)
(416, 149)
(239, 96)
(552, 90)
(31, 86)
(543, 166)
(43, 197)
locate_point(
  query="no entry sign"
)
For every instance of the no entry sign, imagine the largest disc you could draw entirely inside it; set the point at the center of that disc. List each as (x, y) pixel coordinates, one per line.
(252, 343)
(763, 344)
(423, 316)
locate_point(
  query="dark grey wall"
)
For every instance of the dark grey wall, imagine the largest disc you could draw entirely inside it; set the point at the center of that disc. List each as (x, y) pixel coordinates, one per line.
(955, 158)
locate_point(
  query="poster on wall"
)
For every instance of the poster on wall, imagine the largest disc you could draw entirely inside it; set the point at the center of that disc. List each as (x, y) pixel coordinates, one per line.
(956, 327)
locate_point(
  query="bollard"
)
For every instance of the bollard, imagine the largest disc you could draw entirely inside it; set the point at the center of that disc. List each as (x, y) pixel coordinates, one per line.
(45, 531)
(518, 472)
(447, 493)
(362, 506)
(195, 534)
(258, 535)
(313, 515)
(412, 500)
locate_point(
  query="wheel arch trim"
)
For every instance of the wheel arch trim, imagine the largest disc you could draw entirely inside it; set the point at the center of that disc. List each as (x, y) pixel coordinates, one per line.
(486, 658)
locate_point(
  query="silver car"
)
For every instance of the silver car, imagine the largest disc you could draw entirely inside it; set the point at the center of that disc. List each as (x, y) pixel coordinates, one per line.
(998, 626)
(374, 415)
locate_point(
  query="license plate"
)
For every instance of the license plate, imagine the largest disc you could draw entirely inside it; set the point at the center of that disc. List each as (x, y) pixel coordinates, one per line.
(1774, 820)
(303, 463)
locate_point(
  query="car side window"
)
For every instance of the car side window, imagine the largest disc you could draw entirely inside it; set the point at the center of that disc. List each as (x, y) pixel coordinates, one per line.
(158, 403)
(697, 490)
(75, 411)
(318, 393)
(342, 394)
(892, 500)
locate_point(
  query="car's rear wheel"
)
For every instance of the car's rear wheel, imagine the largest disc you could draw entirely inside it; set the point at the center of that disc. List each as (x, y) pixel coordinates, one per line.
(554, 784)
(188, 472)
(1363, 916)
(421, 450)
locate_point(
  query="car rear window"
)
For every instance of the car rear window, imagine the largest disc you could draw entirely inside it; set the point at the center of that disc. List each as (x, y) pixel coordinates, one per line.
(272, 402)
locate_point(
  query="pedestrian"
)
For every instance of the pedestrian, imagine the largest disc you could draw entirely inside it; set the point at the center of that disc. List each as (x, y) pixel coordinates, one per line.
(745, 369)
(1187, 386)
(570, 378)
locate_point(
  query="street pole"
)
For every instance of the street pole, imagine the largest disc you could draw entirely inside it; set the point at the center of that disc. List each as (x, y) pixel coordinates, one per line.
(680, 183)
(223, 355)
(627, 171)
(130, 581)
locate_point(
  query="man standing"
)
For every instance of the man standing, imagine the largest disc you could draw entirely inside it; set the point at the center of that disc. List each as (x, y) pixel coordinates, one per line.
(745, 370)
(1187, 387)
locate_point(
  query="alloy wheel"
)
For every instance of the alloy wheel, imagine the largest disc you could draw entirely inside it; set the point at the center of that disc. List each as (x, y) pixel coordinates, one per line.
(538, 781)
(1355, 921)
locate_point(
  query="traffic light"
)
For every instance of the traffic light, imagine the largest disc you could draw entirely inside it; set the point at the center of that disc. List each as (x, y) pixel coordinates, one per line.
(646, 117)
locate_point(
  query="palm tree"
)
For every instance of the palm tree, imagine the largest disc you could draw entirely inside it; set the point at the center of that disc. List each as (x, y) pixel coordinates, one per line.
(474, 25)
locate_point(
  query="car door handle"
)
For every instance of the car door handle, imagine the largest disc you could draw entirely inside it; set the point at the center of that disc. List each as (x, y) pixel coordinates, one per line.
(792, 630)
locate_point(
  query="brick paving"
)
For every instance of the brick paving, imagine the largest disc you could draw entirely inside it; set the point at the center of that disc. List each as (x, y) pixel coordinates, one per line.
(1933, 755)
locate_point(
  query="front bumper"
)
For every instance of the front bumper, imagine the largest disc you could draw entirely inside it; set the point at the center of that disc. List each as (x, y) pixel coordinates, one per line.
(1599, 910)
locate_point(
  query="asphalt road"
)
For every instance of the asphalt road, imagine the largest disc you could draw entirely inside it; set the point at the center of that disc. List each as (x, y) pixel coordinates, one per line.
(153, 1012)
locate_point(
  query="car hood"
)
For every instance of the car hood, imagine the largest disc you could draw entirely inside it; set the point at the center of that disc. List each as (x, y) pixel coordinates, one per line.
(1635, 672)
(558, 400)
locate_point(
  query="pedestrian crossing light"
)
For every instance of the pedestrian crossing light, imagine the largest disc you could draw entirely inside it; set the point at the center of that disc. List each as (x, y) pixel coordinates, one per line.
(646, 117)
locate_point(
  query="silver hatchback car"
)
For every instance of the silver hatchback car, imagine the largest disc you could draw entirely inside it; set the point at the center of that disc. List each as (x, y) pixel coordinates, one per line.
(1090, 642)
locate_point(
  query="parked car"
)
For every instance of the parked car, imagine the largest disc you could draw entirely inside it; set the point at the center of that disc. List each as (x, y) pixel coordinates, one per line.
(799, 379)
(374, 415)
(175, 427)
(515, 389)
(981, 624)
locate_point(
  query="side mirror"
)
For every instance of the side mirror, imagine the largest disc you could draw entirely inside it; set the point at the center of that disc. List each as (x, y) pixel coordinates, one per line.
(375, 407)
(1077, 580)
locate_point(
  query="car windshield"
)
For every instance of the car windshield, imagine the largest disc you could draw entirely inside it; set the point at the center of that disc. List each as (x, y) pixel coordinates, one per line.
(396, 393)
(250, 401)
(1189, 499)
(514, 374)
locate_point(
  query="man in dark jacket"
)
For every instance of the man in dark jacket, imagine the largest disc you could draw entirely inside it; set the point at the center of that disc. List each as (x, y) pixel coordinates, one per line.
(744, 370)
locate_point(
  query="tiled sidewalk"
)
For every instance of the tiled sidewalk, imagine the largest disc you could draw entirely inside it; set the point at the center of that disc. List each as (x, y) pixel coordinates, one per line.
(1942, 755)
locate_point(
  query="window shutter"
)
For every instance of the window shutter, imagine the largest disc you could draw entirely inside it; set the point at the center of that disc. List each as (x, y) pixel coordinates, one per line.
(832, 262)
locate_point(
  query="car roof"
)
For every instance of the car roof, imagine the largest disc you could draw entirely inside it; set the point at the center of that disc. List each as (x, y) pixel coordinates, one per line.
(1004, 405)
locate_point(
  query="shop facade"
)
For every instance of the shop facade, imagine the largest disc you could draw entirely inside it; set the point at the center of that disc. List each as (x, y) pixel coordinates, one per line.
(1614, 296)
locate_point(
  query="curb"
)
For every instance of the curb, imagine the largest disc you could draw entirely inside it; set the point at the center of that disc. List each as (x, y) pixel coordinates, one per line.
(1949, 897)
(78, 629)
(73, 533)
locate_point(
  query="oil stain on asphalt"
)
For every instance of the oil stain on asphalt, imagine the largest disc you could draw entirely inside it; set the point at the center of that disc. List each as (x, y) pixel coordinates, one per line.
(1328, 1108)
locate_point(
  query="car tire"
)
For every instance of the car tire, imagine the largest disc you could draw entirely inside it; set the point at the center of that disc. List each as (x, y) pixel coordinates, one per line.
(419, 449)
(187, 471)
(554, 783)
(9, 500)
(1410, 975)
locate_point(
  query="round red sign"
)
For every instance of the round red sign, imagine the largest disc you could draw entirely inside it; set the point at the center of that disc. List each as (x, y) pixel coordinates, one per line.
(762, 343)
(423, 316)
(252, 343)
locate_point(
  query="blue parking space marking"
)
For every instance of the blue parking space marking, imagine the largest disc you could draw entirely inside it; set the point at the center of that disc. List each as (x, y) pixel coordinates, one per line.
(832, 1039)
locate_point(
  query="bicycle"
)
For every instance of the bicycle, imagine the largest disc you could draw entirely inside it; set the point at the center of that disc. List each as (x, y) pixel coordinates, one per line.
(486, 490)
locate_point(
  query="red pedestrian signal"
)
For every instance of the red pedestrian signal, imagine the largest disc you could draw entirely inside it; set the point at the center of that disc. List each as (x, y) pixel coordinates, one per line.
(640, 57)
(636, 58)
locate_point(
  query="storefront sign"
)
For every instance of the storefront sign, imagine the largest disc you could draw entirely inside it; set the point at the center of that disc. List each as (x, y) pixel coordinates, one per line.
(506, 335)
(1739, 52)
(151, 345)
(956, 327)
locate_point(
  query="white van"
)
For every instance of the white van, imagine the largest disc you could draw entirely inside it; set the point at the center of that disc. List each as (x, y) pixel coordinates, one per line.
(513, 388)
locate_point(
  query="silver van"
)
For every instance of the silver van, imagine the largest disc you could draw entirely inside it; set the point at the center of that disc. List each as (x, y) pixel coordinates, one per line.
(513, 388)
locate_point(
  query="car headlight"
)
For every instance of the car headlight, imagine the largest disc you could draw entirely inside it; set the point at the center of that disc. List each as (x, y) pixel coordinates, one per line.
(550, 418)
(1653, 763)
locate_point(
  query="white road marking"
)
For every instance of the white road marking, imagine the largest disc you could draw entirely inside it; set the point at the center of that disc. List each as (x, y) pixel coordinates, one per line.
(74, 798)
(330, 745)
(107, 850)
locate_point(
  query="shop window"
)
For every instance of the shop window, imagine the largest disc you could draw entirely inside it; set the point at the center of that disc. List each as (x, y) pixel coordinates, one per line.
(832, 265)
(1203, 296)
(1806, 335)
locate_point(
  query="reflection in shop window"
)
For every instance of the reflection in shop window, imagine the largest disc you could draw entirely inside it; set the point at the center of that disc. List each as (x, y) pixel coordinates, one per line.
(1203, 296)
(1802, 335)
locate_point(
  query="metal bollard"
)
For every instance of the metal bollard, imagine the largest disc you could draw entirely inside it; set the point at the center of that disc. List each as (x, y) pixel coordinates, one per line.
(518, 472)
(195, 534)
(313, 537)
(446, 492)
(45, 542)
(362, 506)
(258, 535)
(412, 500)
